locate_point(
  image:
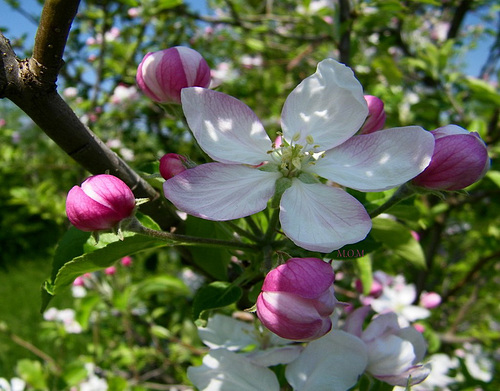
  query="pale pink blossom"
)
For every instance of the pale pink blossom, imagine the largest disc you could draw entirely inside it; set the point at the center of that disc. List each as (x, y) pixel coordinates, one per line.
(319, 120)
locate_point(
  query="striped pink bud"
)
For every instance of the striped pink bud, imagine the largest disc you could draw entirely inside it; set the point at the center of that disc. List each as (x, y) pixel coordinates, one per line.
(162, 75)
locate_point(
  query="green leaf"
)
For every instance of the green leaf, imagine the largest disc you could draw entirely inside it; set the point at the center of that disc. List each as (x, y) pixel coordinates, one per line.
(213, 260)
(356, 250)
(398, 238)
(215, 295)
(31, 372)
(95, 260)
(71, 246)
(102, 258)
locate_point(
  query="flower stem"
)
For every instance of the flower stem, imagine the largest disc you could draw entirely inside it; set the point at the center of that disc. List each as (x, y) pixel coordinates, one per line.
(185, 240)
(271, 229)
(402, 193)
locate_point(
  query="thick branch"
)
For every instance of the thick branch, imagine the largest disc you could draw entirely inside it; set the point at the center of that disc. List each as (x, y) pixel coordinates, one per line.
(50, 40)
(345, 19)
(458, 17)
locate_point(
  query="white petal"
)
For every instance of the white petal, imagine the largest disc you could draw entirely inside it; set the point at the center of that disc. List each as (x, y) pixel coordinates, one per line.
(389, 356)
(275, 356)
(226, 332)
(223, 370)
(225, 128)
(216, 191)
(378, 161)
(331, 363)
(417, 340)
(414, 312)
(321, 218)
(328, 105)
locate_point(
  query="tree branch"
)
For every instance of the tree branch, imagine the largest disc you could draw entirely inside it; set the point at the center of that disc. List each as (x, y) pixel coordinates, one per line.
(50, 40)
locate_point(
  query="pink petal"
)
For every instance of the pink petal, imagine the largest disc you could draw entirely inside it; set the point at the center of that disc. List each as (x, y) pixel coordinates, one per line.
(459, 161)
(306, 277)
(328, 105)
(225, 128)
(220, 192)
(378, 161)
(110, 191)
(354, 322)
(291, 317)
(87, 214)
(321, 218)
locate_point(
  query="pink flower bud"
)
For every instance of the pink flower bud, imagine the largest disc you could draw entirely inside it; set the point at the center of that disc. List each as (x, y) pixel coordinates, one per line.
(376, 115)
(172, 164)
(297, 299)
(126, 261)
(110, 270)
(162, 75)
(79, 281)
(460, 158)
(100, 203)
(430, 300)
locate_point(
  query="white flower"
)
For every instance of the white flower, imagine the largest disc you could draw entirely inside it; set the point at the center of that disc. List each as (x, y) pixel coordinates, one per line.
(398, 298)
(440, 365)
(223, 370)
(333, 362)
(15, 384)
(319, 120)
(393, 353)
(478, 364)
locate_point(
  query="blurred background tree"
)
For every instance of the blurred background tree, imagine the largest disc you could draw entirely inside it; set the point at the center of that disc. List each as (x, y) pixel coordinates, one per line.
(414, 55)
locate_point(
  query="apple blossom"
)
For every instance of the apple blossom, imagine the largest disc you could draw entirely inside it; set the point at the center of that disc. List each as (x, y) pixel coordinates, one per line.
(162, 75)
(319, 120)
(393, 352)
(100, 203)
(376, 115)
(398, 297)
(297, 299)
(460, 159)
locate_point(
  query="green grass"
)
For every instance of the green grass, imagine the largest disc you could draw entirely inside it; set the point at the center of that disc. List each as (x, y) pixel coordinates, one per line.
(20, 309)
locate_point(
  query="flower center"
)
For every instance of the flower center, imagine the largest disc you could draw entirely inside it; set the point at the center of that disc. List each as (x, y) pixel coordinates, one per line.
(292, 158)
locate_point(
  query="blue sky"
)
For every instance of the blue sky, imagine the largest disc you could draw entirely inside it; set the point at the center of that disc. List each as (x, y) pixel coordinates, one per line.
(18, 25)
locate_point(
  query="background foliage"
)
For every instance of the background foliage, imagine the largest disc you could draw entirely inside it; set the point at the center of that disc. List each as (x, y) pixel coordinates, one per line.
(137, 323)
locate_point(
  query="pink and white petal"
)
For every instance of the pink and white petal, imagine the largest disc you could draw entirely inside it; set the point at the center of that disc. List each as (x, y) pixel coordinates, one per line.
(378, 161)
(321, 218)
(417, 340)
(354, 322)
(223, 370)
(416, 374)
(216, 191)
(389, 355)
(333, 362)
(225, 128)
(328, 105)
